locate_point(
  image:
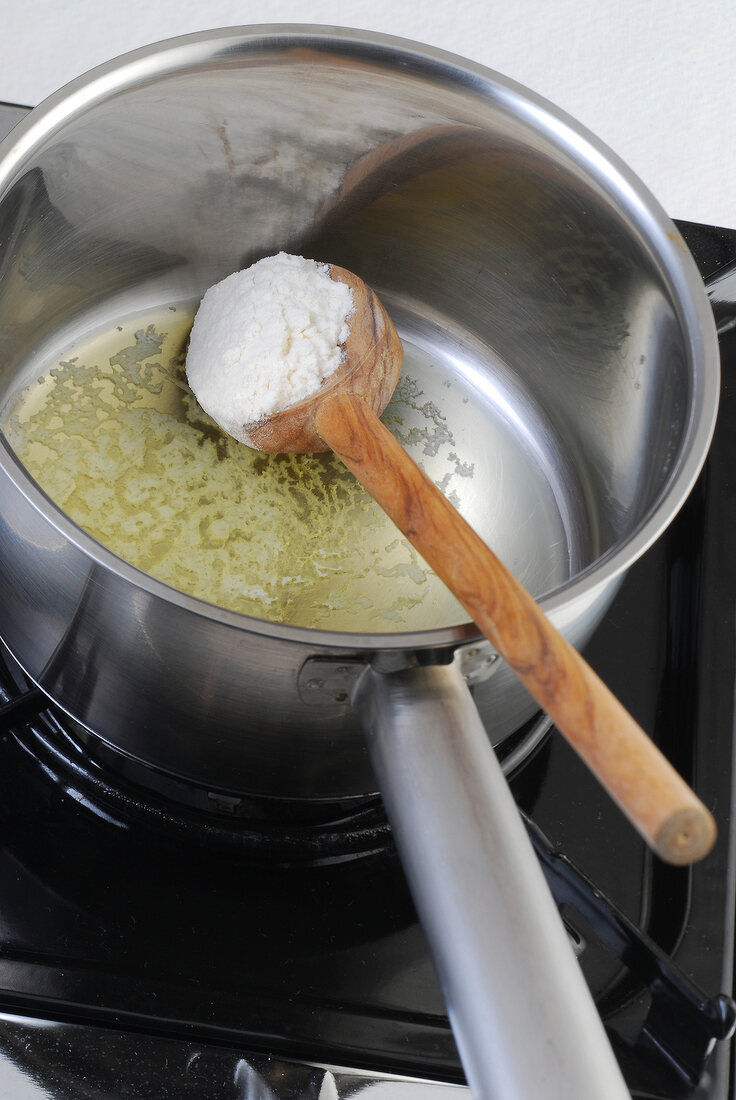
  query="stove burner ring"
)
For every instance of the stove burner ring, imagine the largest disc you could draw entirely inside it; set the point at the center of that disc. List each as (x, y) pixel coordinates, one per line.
(341, 832)
(133, 796)
(234, 805)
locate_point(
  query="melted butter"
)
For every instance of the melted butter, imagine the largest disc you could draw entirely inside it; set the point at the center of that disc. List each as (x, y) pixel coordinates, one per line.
(113, 434)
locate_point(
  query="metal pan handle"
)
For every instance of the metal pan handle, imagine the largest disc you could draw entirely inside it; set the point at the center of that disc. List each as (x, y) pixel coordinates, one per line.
(522, 1015)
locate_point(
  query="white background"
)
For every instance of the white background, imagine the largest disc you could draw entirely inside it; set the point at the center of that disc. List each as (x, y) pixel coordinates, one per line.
(655, 79)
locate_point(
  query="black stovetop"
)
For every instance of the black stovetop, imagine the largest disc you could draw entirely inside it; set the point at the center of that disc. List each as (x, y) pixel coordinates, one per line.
(132, 923)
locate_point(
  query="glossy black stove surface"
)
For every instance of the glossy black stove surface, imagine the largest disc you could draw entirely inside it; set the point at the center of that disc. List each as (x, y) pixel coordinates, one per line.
(300, 940)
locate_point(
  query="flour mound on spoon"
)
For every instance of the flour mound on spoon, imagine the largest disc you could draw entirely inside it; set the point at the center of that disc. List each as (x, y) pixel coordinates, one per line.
(265, 338)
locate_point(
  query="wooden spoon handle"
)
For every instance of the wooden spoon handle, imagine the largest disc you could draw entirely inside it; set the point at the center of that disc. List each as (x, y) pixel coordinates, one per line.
(635, 773)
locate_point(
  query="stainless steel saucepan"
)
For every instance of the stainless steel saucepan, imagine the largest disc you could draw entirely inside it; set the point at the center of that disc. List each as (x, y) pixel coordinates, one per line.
(558, 333)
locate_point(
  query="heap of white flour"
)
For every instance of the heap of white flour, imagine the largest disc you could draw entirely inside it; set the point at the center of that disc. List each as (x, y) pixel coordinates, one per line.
(265, 338)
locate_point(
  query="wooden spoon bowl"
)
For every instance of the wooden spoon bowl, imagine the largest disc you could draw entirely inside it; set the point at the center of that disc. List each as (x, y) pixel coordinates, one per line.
(370, 370)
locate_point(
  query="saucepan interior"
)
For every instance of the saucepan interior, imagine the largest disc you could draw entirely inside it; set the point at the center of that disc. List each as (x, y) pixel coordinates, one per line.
(560, 374)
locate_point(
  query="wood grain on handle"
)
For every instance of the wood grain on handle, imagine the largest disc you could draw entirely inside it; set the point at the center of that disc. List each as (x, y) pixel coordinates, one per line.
(633, 770)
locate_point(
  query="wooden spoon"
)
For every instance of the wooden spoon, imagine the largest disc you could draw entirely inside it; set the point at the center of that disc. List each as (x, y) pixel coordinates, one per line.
(343, 417)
